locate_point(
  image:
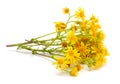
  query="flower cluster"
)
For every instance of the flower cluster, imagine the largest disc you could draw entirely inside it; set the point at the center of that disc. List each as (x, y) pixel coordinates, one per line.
(83, 43)
(77, 42)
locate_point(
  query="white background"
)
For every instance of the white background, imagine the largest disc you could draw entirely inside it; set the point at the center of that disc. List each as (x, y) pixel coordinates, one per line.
(24, 19)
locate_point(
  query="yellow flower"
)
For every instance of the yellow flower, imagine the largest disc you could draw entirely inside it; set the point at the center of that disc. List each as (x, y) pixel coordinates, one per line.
(94, 26)
(97, 65)
(59, 63)
(71, 37)
(60, 26)
(84, 24)
(66, 10)
(92, 32)
(101, 35)
(99, 62)
(98, 26)
(72, 55)
(94, 19)
(82, 47)
(79, 67)
(105, 51)
(99, 45)
(74, 71)
(80, 13)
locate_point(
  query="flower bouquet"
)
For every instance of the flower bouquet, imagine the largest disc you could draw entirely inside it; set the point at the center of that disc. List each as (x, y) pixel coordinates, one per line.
(75, 43)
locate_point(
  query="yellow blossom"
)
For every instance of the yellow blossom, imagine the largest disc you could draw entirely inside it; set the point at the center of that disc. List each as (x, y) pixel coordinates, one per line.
(84, 25)
(94, 19)
(74, 71)
(99, 62)
(72, 55)
(101, 35)
(105, 51)
(71, 37)
(59, 63)
(60, 26)
(94, 26)
(79, 67)
(80, 13)
(98, 26)
(82, 47)
(66, 10)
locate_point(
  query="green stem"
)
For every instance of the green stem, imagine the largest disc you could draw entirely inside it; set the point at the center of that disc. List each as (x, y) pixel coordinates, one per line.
(72, 21)
(69, 17)
(45, 35)
(12, 45)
